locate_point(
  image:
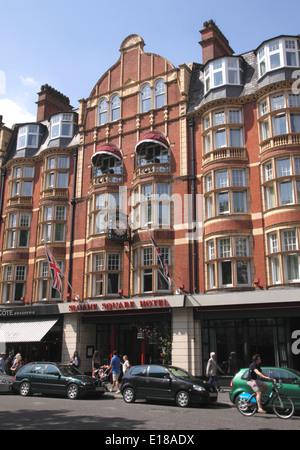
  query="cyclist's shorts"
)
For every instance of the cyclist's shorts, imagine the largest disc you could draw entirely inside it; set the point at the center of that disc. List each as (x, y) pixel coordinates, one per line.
(256, 385)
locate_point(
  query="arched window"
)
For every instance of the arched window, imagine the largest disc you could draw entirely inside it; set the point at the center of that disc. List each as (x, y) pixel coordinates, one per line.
(102, 112)
(160, 93)
(145, 98)
(115, 108)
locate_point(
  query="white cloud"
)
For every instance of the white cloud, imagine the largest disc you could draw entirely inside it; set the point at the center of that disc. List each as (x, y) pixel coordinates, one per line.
(14, 112)
(28, 81)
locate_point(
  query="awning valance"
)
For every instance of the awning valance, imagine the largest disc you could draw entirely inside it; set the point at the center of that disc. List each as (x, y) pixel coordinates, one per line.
(154, 139)
(25, 330)
(107, 150)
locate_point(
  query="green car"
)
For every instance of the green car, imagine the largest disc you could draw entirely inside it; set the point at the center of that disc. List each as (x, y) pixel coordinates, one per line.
(55, 379)
(290, 383)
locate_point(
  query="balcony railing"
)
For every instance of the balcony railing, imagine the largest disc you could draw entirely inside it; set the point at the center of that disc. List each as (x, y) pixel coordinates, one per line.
(107, 180)
(152, 169)
(282, 140)
(225, 153)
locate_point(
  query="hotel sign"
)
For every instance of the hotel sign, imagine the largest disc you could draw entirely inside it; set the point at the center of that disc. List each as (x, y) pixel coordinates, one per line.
(123, 305)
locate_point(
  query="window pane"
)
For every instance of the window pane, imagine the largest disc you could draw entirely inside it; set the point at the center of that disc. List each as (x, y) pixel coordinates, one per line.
(62, 179)
(238, 177)
(226, 273)
(275, 270)
(218, 78)
(242, 276)
(275, 60)
(283, 167)
(286, 193)
(292, 267)
(279, 125)
(222, 179)
(295, 123)
(147, 280)
(223, 203)
(220, 139)
(112, 283)
(59, 232)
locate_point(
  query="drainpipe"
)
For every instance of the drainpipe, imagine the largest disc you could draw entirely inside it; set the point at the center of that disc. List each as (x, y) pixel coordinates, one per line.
(73, 202)
(3, 174)
(194, 209)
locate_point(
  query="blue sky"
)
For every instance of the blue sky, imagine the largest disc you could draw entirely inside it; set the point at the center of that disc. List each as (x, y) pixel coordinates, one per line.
(69, 44)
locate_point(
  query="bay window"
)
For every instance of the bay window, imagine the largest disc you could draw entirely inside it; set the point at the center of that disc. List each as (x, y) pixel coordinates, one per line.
(281, 52)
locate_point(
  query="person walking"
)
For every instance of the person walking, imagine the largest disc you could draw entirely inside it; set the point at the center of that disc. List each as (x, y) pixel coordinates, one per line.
(115, 365)
(17, 364)
(2, 362)
(212, 370)
(96, 362)
(75, 361)
(126, 364)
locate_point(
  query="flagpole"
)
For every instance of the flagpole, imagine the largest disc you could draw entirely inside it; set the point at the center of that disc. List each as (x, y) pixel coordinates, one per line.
(77, 297)
(172, 281)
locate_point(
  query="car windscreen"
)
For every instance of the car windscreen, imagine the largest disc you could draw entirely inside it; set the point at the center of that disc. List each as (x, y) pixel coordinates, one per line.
(69, 371)
(180, 373)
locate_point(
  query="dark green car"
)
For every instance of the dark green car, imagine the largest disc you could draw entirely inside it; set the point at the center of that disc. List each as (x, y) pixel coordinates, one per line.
(290, 383)
(56, 379)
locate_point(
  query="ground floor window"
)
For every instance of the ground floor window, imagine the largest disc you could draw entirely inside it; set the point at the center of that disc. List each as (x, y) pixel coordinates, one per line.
(235, 341)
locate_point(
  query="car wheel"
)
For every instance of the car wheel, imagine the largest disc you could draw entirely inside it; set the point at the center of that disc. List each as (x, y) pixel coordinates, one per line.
(73, 391)
(24, 389)
(183, 399)
(129, 395)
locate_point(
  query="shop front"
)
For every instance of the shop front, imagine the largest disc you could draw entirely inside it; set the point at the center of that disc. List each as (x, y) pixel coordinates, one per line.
(34, 331)
(237, 326)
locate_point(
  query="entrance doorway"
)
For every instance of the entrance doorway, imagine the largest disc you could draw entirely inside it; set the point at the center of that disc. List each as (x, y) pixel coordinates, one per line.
(148, 343)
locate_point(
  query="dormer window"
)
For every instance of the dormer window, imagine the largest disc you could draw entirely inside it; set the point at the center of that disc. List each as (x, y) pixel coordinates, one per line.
(28, 136)
(222, 71)
(276, 54)
(62, 126)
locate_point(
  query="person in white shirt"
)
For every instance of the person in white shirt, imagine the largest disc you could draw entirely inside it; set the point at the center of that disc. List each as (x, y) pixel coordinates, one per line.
(212, 370)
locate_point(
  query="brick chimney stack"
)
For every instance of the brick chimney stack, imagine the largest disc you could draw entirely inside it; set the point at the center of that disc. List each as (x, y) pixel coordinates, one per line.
(214, 44)
(50, 102)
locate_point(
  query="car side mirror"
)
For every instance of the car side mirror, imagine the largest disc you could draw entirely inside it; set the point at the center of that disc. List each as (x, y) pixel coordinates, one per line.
(167, 376)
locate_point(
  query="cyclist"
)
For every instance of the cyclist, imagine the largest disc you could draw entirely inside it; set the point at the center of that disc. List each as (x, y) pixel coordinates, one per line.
(258, 386)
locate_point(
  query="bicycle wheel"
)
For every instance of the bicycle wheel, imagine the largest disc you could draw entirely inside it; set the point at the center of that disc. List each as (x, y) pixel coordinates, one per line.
(244, 407)
(283, 406)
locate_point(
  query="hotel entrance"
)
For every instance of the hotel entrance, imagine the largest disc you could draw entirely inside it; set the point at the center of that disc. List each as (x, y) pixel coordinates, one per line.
(145, 341)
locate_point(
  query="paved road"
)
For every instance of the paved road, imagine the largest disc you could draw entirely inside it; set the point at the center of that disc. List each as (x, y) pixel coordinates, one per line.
(113, 414)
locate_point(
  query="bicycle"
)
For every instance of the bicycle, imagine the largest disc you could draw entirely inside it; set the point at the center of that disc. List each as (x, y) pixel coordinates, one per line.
(282, 405)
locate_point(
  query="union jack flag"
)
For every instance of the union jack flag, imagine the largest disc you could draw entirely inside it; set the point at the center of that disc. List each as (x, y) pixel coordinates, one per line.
(165, 268)
(55, 271)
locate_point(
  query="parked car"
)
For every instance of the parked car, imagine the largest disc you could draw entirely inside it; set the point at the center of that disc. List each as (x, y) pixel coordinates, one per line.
(290, 383)
(58, 379)
(167, 383)
(6, 382)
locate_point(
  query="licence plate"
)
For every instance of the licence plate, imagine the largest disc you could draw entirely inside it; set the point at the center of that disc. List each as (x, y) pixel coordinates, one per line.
(214, 394)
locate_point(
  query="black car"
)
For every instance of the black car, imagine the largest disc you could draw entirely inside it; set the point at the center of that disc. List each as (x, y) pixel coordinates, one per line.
(167, 383)
(57, 379)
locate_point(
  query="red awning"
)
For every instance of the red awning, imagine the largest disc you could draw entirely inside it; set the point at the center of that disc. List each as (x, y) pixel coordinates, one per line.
(154, 139)
(107, 150)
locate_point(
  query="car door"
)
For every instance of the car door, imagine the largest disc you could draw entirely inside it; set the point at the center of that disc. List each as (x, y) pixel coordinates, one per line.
(138, 380)
(36, 379)
(159, 384)
(290, 384)
(54, 381)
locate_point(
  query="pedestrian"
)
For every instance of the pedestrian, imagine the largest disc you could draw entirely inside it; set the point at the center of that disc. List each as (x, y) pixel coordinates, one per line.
(9, 362)
(96, 362)
(75, 361)
(126, 364)
(17, 364)
(232, 364)
(2, 362)
(257, 385)
(212, 370)
(115, 365)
